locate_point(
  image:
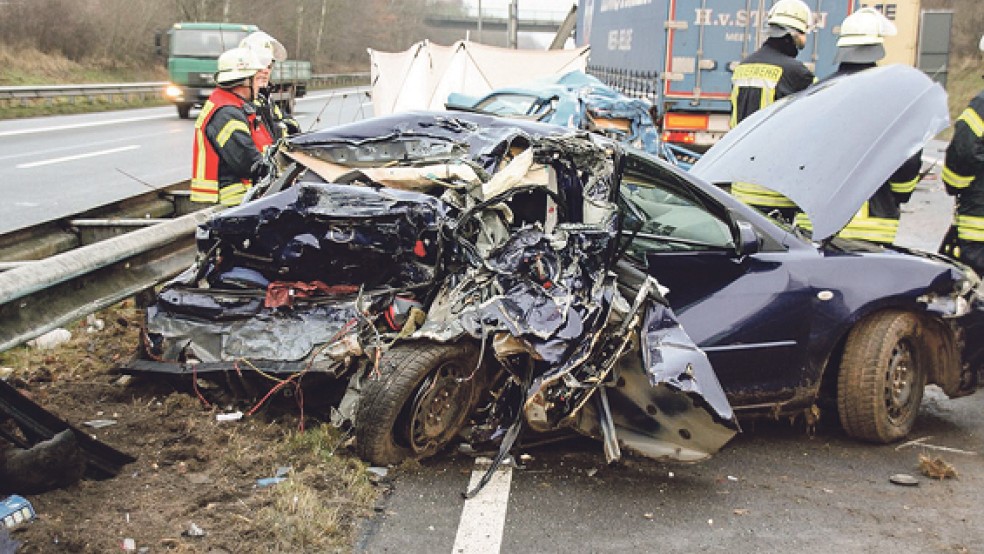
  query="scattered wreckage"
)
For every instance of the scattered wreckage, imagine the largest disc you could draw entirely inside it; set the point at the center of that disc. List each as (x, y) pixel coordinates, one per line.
(465, 274)
(39, 451)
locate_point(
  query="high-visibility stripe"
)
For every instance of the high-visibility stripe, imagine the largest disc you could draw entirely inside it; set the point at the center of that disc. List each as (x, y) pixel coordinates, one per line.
(228, 129)
(970, 227)
(956, 180)
(973, 120)
(903, 187)
(802, 221)
(873, 229)
(755, 195)
(861, 227)
(232, 194)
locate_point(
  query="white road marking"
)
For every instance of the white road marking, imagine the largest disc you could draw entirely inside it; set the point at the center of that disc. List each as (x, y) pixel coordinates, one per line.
(81, 125)
(78, 156)
(483, 518)
(90, 144)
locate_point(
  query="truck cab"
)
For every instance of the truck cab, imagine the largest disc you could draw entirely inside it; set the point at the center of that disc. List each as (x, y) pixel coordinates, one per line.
(193, 51)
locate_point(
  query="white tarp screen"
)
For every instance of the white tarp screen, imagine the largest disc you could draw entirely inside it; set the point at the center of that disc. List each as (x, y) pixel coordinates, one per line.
(421, 77)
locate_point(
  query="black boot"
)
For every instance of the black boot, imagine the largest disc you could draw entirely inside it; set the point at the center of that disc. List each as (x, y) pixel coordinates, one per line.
(48, 465)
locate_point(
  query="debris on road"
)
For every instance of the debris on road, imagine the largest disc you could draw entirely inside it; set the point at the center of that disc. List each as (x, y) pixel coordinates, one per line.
(51, 339)
(904, 479)
(936, 468)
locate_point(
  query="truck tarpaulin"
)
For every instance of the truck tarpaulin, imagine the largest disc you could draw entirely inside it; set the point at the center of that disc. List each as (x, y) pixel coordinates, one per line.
(423, 76)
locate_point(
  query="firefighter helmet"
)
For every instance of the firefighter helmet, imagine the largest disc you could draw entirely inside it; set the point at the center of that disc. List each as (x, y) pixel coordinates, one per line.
(864, 27)
(791, 15)
(266, 48)
(237, 64)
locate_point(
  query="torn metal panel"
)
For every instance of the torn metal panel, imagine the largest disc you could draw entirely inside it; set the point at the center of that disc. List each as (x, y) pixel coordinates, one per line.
(38, 424)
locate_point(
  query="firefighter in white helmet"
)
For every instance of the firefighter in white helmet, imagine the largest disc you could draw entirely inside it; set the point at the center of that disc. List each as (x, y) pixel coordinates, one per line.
(269, 51)
(768, 74)
(228, 136)
(963, 174)
(860, 46)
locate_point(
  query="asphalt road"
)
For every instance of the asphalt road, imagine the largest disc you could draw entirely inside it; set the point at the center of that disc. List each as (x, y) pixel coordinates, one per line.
(51, 167)
(774, 488)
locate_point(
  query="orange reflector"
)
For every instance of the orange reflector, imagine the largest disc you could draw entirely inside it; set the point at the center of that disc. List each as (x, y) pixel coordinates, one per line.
(679, 137)
(686, 121)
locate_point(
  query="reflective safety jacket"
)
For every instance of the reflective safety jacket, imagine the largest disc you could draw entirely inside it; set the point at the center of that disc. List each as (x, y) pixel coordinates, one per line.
(878, 218)
(228, 141)
(272, 116)
(765, 76)
(963, 171)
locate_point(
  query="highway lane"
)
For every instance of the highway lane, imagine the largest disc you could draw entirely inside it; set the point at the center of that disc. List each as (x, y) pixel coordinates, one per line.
(51, 167)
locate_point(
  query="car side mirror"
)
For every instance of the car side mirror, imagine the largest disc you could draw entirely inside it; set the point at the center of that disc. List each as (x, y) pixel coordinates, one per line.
(159, 43)
(748, 239)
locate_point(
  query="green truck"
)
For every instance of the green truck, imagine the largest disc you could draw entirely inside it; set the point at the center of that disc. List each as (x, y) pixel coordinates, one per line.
(193, 51)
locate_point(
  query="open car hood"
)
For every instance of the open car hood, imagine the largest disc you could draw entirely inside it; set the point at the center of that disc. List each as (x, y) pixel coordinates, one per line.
(831, 146)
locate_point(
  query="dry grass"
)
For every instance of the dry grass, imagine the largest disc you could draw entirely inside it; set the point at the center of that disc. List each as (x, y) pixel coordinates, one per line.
(316, 509)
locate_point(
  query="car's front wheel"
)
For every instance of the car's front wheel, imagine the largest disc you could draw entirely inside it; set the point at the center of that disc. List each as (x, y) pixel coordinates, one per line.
(882, 377)
(421, 398)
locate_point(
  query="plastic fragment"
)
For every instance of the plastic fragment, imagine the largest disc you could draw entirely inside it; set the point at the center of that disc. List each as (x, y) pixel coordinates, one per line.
(233, 416)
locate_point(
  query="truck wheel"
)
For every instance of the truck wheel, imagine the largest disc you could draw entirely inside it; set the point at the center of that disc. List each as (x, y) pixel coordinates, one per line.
(419, 402)
(882, 376)
(287, 106)
(184, 110)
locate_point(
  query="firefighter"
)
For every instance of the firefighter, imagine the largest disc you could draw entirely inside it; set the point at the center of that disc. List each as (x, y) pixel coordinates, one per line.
(768, 74)
(269, 51)
(229, 137)
(963, 174)
(860, 46)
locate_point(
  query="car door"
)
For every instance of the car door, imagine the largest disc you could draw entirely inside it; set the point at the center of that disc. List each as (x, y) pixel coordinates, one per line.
(750, 313)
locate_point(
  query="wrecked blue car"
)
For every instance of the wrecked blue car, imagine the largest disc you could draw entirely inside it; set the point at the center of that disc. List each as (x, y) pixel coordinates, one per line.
(455, 273)
(471, 276)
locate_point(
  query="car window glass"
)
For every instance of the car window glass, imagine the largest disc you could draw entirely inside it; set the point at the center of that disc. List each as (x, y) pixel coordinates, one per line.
(673, 219)
(508, 104)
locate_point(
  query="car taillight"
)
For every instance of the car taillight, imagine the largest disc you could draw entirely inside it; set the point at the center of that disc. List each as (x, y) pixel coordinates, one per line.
(679, 137)
(692, 122)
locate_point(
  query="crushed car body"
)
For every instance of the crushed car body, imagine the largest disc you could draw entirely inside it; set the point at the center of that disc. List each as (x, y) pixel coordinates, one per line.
(453, 269)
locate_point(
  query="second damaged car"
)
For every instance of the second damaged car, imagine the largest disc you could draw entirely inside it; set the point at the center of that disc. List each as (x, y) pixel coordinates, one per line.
(458, 274)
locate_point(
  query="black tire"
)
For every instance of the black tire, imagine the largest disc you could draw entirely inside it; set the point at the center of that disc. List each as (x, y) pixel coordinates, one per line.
(418, 403)
(882, 377)
(184, 110)
(287, 106)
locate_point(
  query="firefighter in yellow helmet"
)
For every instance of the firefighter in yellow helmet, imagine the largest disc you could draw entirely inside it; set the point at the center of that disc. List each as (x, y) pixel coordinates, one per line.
(768, 74)
(963, 174)
(228, 136)
(269, 51)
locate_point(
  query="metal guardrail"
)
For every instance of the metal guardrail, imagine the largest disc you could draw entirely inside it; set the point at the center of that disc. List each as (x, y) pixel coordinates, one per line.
(331, 80)
(63, 270)
(28, 94)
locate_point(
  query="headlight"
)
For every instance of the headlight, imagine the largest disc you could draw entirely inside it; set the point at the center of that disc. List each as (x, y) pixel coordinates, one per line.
(173, 92)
